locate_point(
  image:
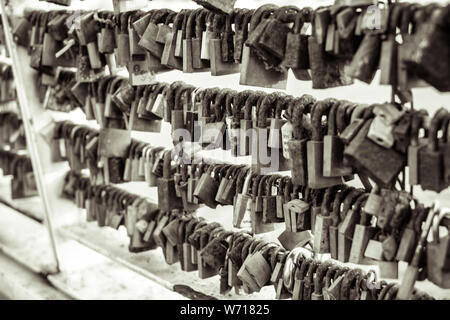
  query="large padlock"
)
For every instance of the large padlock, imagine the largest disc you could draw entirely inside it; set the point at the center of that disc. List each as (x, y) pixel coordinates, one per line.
(167, 199)
(431, 39)
(207, 186)
(253, 71)
(380, 164)
(333, 160)
(431, 161)
(148, 38)
(316, 180)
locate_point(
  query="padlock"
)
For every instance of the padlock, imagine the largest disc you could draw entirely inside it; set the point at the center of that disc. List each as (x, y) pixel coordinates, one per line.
(415, 146)
(287, 194)
(21, 32)
(347, 226)
(270, 201)
(300, 218)
(224, 175)
(410, 234)
(336, 219)
(242, 198)
(256, 206)
(271, 44)
(287, 129)
(181, 35)
(275, 136)
(87, 36)
(431, 167)
(297, 145)
(265, 158)
(219, 66)
(168, 56)
(438, 261)
(241, 21)
(206, 36)
(253, 71)
(177, 117)
(188, 65)
(148, 38)
(197, 42)
(206, 188)
(297, 55)
(322, 222)
(380, 133)
(229, 191)
(167, 199)
(246, 126)
(316, 180)
(299, 282)
(371, 162)
(333, 160)
(361, 236)
(366, 59)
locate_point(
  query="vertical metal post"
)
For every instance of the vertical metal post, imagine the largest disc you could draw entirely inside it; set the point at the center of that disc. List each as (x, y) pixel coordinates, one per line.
(29, 132)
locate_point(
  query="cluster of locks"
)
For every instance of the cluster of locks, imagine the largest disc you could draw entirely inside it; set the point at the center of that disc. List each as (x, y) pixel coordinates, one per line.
(241, 261)
(330, 45)
(352, 225)
(324, 143)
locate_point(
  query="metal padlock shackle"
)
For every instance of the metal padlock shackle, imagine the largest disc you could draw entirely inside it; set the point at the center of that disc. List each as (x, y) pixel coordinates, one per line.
(347, 283)
(259, 14)
(309, 278)
(179, 91)
(249, 98)
(219, 106)
(229, 102)
(321, 108)
(328, 200)
(242, 173)
(349, 201)
(443, 213)
(184, 24)
(262, 185)
(271, 183)
(178, 21)
(191, 24)
(321, 273)
(290, 268)
(337, 117)
(160, 15)
(267, 104)
(287, 190)
(436, 124)
(338, 200)
(208, 97)
(171, 93)
(364, 218)
(200, 23)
